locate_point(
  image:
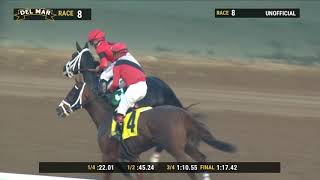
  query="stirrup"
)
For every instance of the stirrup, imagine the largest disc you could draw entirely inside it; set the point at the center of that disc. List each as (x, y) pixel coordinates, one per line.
(118, 137)
(119, 131)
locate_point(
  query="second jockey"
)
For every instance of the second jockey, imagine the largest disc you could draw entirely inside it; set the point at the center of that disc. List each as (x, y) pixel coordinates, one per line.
(96, 38)
(131, 72)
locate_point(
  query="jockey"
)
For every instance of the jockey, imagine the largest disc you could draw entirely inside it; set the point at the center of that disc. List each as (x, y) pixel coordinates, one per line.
(127, 68)
(96, 38)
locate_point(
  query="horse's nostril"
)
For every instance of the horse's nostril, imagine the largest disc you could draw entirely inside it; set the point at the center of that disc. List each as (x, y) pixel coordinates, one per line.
(60, 113)
(59, 110)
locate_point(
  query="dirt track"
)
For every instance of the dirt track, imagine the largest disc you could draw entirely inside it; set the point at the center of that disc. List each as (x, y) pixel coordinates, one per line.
(271, 115)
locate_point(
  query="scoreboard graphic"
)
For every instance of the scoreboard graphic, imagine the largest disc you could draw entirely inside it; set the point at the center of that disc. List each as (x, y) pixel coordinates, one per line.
(161, 167)
(256, 13)
(51, 14)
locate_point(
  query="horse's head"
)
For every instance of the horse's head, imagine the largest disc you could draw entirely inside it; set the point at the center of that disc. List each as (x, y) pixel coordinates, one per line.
(78, 96)
(80, 60)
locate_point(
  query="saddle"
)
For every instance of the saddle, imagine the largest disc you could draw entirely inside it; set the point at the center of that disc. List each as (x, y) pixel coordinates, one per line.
(131, 122)
(113, 98)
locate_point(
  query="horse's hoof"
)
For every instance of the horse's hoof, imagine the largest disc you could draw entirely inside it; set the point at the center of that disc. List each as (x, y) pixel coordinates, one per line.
(155, 158)
(206, 176)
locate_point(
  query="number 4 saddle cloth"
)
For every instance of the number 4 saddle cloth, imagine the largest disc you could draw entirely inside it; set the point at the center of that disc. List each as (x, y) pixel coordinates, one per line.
(130, 124)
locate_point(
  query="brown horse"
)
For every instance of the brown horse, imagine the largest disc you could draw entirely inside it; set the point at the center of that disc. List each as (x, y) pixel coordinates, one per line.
(159, 92)
(171, 127)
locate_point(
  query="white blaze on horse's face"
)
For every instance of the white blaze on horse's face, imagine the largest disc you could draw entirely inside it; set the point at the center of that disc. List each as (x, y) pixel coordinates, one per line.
(73, 66)
(73, 101)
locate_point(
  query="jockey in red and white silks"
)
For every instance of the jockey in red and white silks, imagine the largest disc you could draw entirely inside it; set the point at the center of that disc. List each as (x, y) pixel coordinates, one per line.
(131, 72)
(96, 38)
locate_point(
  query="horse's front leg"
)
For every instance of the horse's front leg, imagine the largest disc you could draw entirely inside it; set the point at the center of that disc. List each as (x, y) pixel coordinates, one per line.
(110, 152)
(106, 158)
(139, 176)
(106, 176)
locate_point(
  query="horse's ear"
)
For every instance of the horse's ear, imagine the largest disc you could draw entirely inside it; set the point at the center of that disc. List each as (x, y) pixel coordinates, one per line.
(78, 46)
(86, 45)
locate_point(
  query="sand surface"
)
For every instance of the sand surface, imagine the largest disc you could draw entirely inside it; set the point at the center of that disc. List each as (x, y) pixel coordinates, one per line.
(271, 112)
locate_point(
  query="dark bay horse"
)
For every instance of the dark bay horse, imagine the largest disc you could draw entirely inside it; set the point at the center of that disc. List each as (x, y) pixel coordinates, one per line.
(172, 127)
(159, 93)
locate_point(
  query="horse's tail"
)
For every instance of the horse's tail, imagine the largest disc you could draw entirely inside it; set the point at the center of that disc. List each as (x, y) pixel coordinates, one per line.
(205, 135)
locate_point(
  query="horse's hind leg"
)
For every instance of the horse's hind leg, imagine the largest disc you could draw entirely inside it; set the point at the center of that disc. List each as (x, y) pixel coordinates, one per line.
(174, 141)
(156, 154)
(182, 157)
(198, 156)
(195, 154)
(177, 151)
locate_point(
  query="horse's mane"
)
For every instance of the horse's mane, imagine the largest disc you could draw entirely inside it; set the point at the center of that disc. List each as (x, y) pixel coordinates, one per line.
(74, 55)
(90, 57)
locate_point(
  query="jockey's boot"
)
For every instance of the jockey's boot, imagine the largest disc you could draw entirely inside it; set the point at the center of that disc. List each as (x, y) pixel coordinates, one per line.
(102, 88)
(119, 128)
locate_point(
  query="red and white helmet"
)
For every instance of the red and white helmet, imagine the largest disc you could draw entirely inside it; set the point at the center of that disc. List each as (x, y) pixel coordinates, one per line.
(96, 34)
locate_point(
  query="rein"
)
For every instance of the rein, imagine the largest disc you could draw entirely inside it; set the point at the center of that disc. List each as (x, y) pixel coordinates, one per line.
(78, 102)
(87, 69)
(75, 63)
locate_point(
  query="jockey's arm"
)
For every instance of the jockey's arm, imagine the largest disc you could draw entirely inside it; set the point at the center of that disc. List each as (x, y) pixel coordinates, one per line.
(103, 61)
(116, 77)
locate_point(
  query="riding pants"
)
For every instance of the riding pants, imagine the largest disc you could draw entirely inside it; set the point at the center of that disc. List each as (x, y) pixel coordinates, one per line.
(134, 93)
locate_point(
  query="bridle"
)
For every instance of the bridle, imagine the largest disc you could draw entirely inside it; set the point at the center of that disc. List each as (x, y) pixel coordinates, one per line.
(77, 104)
(75, 62)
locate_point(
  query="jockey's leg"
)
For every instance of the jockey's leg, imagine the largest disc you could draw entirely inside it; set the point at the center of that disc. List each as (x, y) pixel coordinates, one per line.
(102, 86)
(134, 93)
